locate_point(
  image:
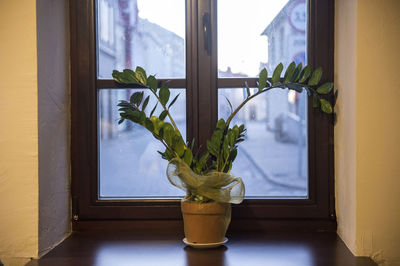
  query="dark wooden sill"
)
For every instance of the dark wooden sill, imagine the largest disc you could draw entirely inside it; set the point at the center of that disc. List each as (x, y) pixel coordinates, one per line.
(236, 225)
(124, 246)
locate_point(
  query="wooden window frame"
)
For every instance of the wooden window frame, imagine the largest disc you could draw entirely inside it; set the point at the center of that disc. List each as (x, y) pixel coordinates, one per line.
(201, 84)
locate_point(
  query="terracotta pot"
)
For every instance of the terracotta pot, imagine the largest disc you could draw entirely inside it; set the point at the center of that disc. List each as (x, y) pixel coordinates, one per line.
(205, 222)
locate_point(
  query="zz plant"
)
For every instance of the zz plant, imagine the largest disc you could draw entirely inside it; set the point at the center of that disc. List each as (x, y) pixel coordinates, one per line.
(222, 147)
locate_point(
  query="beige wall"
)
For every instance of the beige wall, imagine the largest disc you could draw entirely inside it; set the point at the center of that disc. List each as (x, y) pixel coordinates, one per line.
(345, 129)
(53, 115)
(34, 119)
(18, 130)
(368, 196)
(378, 129)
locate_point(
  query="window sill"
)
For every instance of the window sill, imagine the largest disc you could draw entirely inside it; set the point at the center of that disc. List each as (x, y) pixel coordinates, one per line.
(125, 246)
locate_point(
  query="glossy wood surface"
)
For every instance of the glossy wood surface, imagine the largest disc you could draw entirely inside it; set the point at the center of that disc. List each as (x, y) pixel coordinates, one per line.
(166, 248)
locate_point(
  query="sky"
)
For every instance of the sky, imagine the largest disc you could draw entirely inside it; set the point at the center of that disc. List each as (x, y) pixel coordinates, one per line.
(240, 24)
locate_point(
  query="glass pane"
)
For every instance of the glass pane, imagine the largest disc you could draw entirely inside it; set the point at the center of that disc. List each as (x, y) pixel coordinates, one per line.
(129, 165)
(256, 33)
(146, 33)
(273, 160)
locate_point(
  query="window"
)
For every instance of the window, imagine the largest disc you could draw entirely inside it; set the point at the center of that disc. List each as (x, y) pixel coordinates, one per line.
(206, 48)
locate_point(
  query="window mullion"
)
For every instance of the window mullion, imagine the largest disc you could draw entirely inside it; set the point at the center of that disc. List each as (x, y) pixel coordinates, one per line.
(207, 68)
(191, 71)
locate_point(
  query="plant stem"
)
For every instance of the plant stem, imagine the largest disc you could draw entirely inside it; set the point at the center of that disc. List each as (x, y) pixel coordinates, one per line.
(232, 115)
(169, 115)
(163, 142)
(226, 161)
(228, 121)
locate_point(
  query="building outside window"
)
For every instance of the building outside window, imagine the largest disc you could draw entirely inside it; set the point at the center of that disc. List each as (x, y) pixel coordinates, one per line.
(141, 41)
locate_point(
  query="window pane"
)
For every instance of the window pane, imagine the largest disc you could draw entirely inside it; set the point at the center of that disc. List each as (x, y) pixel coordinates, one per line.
(129, 165)
(272, 160)
(254, 34)
(146, 33)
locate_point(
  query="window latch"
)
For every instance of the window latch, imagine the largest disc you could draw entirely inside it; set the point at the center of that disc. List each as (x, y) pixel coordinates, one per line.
(75, 208)
(207, 33)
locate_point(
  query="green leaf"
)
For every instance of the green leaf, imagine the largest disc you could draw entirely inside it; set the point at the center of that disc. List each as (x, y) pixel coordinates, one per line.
(289, 72)
(216, 138)
(315, 101)
(123, 109)
(146, 101)
(136, 98)
(115, 74)
(326, 107)
(236, 131)
(141, 75)
(221, 124)
(161, 131)
(142, 117)
(241, 128)
(178, 145)
(129, 75)
(173, 101)
(163, 115)
(126, 105)
(231, 137)
(123, 102)
(197, 168)
(227, 168)
(154, 109)
(305, 73)
(188, 157)
(164, 95)
(149, 124)
(295, 87)
(203, 159)
(157, 123)
(211, 148)
(152, 82)
(296, 73)
(168, 155)
(325, 88)
(225, 148)
(230, 105)
(262, 81)
(276, 76)
(315, 77)
(136, 116)
(168, 133)
(232, 155)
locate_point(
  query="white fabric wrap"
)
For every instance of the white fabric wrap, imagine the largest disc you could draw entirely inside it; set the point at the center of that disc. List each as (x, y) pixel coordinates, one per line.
(218, 186)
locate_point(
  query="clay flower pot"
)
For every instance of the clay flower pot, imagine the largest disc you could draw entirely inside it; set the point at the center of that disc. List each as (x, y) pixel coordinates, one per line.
(205, 223)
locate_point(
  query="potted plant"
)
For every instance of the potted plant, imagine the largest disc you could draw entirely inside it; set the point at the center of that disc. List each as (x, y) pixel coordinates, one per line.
(206, 179)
